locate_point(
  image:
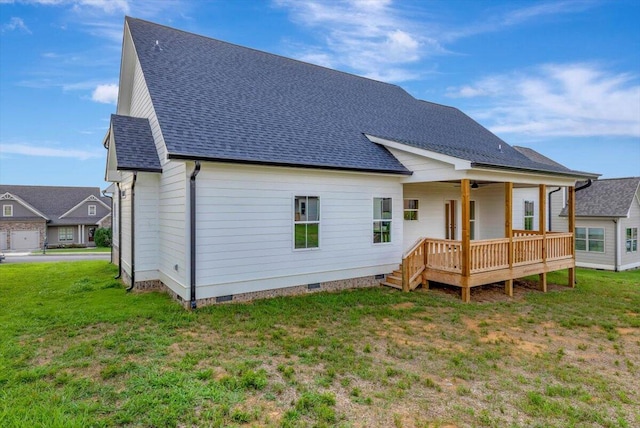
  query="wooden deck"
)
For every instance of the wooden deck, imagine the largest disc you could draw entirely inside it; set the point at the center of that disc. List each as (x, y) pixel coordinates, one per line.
(488, 261)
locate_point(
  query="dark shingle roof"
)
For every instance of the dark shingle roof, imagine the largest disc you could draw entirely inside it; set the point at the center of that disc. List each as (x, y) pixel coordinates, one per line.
(135, 148)
(54, 201)
(606, 198)
(219, 101)
(538, 157)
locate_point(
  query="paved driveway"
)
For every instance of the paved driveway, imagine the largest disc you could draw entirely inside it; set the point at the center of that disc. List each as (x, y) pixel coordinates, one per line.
(71, 257)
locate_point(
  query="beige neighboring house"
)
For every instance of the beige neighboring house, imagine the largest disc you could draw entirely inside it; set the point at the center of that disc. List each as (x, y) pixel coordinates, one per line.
(607, 224)
(59, 216)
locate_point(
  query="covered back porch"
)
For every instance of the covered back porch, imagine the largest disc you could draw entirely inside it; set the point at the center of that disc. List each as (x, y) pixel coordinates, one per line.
(461, 260)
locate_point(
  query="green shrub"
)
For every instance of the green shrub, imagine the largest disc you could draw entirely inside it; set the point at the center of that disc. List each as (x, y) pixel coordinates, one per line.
(103, 237)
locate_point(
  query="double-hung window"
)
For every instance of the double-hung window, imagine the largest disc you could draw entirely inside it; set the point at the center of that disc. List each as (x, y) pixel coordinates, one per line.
(528, 215)
(92, 210)
(590, 239)
(7, 210)
(381, 220)
(306, 223)
(632, 239)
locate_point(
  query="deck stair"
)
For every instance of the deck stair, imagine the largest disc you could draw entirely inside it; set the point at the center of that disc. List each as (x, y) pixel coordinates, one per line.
(394, 279)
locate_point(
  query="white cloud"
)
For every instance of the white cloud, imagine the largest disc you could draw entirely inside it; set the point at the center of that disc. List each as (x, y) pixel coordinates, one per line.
(107, 94)
(558, 100)
(15, 23)
(368, 36)
(386, 40)
(43, 151)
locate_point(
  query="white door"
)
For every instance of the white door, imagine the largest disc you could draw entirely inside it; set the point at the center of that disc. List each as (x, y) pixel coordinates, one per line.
(3, 240)
(25, 240)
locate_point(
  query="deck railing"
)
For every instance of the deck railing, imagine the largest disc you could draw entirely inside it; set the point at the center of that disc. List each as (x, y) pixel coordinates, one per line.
(413, 264)
(444, 254)
(528, 247)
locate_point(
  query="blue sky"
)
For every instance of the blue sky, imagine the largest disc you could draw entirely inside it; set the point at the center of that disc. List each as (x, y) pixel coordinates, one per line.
(561, 77)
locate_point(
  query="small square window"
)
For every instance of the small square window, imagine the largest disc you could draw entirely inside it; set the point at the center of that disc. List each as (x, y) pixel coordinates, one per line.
(411, 209)
(7, 210)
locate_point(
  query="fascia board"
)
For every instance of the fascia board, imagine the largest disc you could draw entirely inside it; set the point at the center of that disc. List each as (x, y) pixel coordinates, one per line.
(458, 164)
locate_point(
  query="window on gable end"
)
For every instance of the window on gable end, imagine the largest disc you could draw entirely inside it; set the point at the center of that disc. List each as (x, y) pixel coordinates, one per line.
(92, 210)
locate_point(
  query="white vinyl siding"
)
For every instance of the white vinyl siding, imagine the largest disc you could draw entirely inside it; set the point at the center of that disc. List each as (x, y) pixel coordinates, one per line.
(245, 227)
(141, 106)
(174, 225)
(147, 231)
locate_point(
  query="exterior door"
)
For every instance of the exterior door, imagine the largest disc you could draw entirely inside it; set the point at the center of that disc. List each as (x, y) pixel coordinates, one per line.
(450, 219)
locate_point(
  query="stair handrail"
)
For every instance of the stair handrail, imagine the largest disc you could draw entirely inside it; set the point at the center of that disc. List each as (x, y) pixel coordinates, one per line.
(418, 243)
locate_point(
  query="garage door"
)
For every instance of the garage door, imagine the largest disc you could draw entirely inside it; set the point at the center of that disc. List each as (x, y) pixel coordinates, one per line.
(3, 240)
(25, 240)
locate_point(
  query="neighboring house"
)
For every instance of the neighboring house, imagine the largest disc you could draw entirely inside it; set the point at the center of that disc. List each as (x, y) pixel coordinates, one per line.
(607, 224)
(60, 216)
(242, 174)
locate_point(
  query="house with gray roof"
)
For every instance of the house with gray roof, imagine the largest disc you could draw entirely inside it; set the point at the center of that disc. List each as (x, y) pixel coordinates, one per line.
(60, 216)
(607, 223)
(240, 174)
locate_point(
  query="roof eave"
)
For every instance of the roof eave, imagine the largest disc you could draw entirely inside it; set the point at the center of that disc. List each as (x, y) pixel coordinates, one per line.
(178, 156)
(570, 173)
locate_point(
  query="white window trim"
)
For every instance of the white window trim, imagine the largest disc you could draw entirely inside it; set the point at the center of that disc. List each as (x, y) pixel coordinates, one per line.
(586, 239)
(293, 232)
(4, 212)
(373, 220)
(91, 208)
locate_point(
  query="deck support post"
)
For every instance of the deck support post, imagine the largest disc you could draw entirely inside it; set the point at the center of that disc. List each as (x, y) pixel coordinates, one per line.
(508, 232)
(508, 287)
(466, 294)
(542, 285)
(465, 189)
(571, 206)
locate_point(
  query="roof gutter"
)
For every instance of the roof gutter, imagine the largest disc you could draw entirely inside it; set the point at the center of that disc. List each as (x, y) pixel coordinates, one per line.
(119, 233)
(192, 213)
(584, 186)
(178, 156)
(580, 174)
(549, 203)
(133, 232)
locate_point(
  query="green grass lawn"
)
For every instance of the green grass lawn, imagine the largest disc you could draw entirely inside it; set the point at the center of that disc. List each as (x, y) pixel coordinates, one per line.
(77, 351)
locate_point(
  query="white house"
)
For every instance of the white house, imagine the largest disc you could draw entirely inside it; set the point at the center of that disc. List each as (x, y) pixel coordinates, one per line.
(242, 174)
